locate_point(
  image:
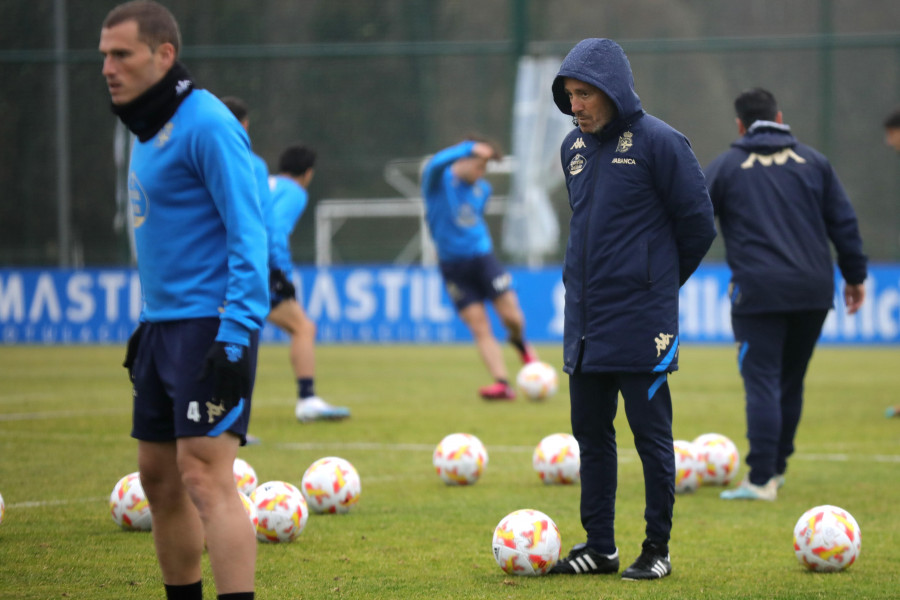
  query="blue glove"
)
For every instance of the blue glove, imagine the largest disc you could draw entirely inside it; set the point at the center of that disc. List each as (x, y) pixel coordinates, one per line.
(229, 365)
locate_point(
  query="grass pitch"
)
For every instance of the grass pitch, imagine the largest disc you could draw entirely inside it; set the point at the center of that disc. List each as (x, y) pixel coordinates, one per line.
(64, 442)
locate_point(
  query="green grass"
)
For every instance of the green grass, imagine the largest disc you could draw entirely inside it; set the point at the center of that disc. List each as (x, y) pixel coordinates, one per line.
(64, 442)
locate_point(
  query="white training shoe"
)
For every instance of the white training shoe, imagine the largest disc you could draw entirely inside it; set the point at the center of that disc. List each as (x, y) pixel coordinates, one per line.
(749, 491)
(316, 409)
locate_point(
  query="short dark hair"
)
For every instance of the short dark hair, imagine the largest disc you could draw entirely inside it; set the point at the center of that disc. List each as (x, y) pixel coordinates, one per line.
(237, 107)
(297, 160)
(474, 136)
(754, 105)
(156, 25)
(892, 121)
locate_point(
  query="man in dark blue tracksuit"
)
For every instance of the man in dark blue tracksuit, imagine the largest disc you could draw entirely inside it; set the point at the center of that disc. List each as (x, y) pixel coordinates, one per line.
(779, 203)
(641, 223)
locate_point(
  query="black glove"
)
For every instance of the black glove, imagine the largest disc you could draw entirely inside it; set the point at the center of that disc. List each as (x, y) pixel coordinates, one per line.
(230, 367)
(279, 282)
(132, 349)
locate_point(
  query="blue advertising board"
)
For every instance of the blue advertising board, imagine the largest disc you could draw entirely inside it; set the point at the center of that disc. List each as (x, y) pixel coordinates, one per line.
(386, 304)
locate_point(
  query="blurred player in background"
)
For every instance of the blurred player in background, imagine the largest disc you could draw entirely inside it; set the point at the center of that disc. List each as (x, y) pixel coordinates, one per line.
(286, 202)
(456, 194)
(779, 203)
(892, 130)
(892, 139)
(241, 112)
(641, 223)
(200, 241)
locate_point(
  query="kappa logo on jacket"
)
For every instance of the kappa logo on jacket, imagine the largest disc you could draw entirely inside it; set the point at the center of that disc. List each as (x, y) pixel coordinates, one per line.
(578, 145)
(662, 342)
(778, 158)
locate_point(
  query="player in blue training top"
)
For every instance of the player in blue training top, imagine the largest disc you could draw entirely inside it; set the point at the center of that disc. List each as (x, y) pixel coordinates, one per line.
(779, 204)
(892, 139)
(286, 202)
(456, 194)
(201, 242)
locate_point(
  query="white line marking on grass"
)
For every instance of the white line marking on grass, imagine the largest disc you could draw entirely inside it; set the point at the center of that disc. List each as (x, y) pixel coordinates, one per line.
(42, 503)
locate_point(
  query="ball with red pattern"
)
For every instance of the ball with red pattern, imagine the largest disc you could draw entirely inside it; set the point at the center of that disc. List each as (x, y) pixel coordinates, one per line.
(827, 538)
(331, 485)
(526, 542)
(128, 504)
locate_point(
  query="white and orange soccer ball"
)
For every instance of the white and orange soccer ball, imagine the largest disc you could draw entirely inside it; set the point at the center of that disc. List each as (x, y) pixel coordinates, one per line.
(250, 509)
(331, 485)
(2, 509)
(827, 538)
(537, 380)
(687, 467)
(244, 476)
(128, 504)
(526, 542)
(281, 511)
(460, 459)
(719, 458)
(557, 459)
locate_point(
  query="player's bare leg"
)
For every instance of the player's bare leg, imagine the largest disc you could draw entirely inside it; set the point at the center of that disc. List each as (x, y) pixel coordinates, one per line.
(510, 313)
(476, 319)
(177, 529)
(206, 465)
(290, 317)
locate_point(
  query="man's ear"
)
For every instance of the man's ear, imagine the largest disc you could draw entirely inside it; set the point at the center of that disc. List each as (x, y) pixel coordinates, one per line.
(740, 125)
(779, 118)
(166, 52)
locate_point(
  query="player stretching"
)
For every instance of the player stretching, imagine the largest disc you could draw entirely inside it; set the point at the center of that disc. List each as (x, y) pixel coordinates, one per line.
(456, 194)
(286, 203)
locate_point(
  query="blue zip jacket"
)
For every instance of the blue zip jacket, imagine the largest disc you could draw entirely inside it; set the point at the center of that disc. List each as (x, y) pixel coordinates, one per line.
(454, 209)
(287, 202)
(779, 203)
(199, 233)
(641, 223)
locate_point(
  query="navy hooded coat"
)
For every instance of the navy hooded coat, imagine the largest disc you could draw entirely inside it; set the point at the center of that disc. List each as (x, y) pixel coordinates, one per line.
(779, 202)
(641, 222)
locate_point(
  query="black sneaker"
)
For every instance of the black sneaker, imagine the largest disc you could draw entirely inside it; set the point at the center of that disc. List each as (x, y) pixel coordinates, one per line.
(653, 563)
(582, 560)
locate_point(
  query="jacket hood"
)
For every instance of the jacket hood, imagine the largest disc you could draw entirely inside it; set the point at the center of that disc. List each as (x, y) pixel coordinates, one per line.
(603, 64)
(766, 137)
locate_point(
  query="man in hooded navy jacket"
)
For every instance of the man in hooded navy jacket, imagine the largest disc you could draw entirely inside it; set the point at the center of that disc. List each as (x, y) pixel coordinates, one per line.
(779, 202)
(641, 223)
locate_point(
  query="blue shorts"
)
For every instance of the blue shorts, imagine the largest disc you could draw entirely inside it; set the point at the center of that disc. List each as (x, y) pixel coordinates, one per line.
(475, 279)
(170, 397)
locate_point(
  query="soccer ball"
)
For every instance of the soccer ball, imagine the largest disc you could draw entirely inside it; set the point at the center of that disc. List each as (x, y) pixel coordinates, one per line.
(330, 485)
(128, 504)
(250, 509)
(827, 538)
(460, 459)
(2, 509)
(244, 476)
(281, 511)
(718, 457)
(526, 542)
(557, 459)
(687, 467)
(537, 380)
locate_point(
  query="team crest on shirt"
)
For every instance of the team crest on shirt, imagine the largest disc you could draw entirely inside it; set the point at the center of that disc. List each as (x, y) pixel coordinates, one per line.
(576, 165)
(140, 204)
(164, 135)
(625, 142)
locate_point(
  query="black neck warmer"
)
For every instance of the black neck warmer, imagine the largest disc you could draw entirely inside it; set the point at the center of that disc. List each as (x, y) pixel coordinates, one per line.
(145, 115)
